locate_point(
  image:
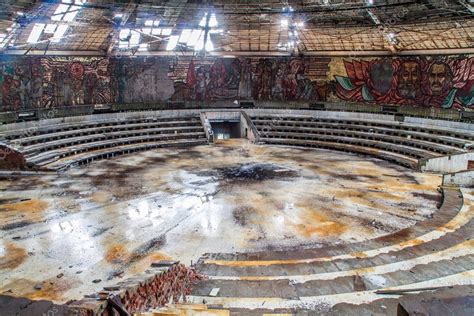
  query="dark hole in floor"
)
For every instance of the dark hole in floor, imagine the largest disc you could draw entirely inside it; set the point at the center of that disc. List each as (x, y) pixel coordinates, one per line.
(256, 172)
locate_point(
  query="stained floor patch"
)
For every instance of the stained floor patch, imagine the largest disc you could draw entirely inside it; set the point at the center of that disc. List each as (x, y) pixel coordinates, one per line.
(112, 219)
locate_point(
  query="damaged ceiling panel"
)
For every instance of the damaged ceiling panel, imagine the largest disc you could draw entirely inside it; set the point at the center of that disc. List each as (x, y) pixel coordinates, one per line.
(103, 27)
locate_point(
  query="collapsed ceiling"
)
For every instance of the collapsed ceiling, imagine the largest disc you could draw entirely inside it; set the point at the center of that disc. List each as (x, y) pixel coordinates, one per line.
(236, 27)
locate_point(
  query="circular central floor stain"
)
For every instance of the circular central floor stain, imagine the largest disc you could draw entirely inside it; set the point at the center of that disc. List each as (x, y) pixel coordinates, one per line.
(110, 219)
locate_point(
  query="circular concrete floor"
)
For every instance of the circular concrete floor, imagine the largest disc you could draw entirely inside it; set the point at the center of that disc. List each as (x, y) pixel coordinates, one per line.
(111, 219)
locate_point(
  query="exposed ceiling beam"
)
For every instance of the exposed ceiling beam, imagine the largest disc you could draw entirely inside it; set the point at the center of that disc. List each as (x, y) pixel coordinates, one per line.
(131, 7)
(461, 51)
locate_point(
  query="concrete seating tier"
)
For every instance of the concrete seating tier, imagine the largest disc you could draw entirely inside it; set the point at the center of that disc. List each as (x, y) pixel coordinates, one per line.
(107, 153)
(404, 144)
(434, 252)
(372, 123)
(41, 129)
(394, 157)
(107, 128)
(60, 145)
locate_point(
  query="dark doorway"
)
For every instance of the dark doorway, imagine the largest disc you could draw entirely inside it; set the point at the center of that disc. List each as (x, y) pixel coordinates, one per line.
(225, 130)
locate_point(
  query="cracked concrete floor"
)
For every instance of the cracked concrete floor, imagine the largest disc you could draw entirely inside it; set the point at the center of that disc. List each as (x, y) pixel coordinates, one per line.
(111, 219)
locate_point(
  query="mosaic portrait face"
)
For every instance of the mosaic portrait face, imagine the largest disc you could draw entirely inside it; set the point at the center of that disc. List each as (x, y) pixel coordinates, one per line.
(409, 79)
(439, 78)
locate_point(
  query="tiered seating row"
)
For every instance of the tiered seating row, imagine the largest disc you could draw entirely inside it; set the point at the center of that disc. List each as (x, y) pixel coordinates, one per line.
(106, 128)
(71, 141)
(53, 155)
(345, 123)
(107, 153)
(80, 143)
(74, 126)
(405, 145)
(433, 251)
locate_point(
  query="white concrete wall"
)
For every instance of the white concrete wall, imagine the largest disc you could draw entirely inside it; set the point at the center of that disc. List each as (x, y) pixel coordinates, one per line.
(223, 115)
(246, 125)
(207, 128)
(463, 179)
(448, 164)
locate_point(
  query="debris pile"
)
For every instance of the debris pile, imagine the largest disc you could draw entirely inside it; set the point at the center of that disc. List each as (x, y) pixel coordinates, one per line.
(165, 282)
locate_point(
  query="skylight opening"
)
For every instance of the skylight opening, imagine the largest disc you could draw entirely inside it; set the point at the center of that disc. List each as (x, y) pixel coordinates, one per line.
(202, 23)
(135, 38)
(129, 38)
(166, 31)
(185, 35)
(35, 33)
(7, 39)
(194, 37)
(50, 28)
(216, 31)
(200, 42)
(213, 20)
(69, 17)
(66, 11)
(3, 40)
(59, 13)
(146, 30)
(124, 34)
(209, 46)
(59, 34)
(172, 42)
(154, 23)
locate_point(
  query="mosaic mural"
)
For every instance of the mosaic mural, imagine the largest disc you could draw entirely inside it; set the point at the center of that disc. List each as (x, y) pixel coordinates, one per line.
(49, 82)
(44, 82)
(445, 83)
(254, 78)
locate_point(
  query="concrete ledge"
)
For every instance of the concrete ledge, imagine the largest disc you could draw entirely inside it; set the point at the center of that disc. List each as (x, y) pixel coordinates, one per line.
(462, 179)
(447, 164)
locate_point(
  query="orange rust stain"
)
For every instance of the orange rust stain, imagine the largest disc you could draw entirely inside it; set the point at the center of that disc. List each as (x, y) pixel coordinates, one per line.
(367, 270)
(14, 256)
(100, 197)
(52, 289)
(145, 263)
(325, 229)
(411, 243)
(31, 210)
(359, 255)
(33, 205)
(313, 222)
(116, 254)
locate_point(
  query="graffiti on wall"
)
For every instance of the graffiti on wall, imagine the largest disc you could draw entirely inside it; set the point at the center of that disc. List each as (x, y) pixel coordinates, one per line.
(428, 82)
